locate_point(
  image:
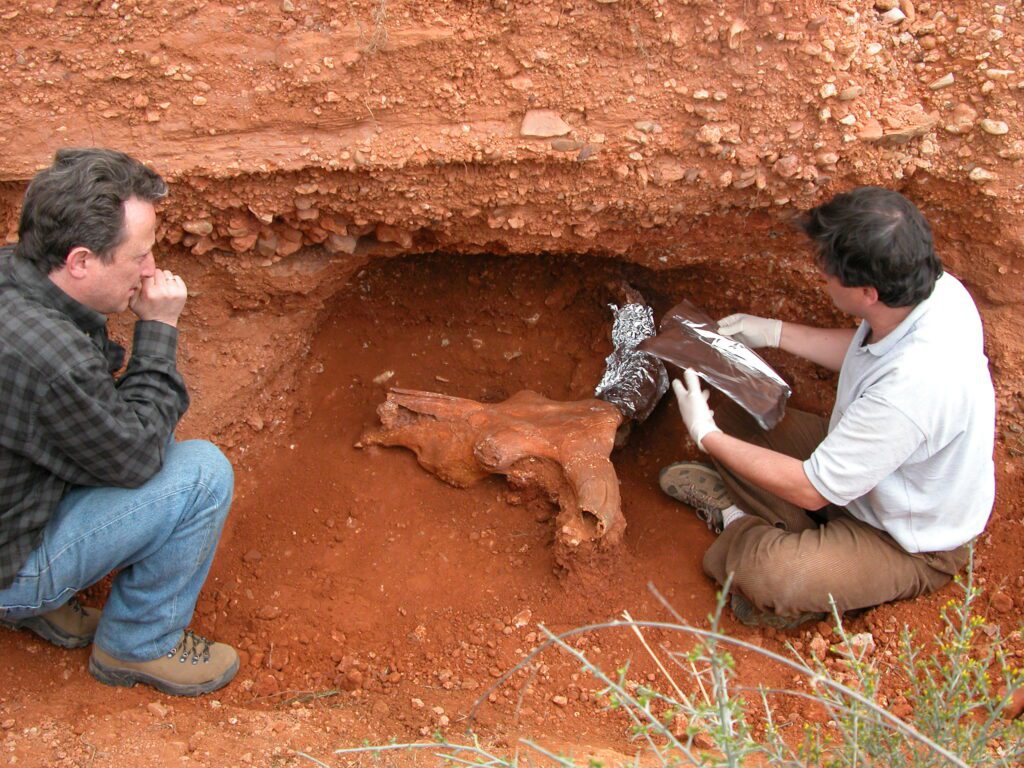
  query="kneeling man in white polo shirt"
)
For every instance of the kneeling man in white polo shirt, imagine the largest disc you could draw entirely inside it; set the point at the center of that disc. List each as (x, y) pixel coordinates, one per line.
(881, 501)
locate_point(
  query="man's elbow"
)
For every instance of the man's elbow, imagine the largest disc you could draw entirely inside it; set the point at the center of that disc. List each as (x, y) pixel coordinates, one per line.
(131, 474)
(811, 500)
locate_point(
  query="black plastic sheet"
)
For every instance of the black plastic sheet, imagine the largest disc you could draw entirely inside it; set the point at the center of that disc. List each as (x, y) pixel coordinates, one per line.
(688, 338)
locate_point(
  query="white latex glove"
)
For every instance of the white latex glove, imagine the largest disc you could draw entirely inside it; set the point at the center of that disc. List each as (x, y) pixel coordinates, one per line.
(753, 331)
(693, 407)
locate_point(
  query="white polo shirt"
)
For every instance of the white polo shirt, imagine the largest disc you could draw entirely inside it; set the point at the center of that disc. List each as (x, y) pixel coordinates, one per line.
(909, 447)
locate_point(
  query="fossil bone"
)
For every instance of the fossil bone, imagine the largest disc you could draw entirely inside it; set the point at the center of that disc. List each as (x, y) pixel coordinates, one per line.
(562, 447)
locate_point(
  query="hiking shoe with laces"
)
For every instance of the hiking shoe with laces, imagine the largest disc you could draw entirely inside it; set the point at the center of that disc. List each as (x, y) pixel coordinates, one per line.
(699, 486)
(747, 614)
(70, 626)
(193, 667)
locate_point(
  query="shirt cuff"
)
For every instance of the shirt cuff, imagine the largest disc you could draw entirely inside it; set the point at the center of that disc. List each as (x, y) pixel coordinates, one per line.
(155, 339)
(820, 487)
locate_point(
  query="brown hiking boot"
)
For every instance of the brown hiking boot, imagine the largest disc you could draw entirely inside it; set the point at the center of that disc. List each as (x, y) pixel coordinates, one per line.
(699, 486)
(193, 667)
(70, 626)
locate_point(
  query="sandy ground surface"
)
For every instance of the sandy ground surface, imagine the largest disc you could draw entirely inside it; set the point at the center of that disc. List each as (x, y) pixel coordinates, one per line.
(349, 181)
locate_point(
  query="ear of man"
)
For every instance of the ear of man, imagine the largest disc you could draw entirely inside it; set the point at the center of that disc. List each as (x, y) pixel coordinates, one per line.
(77, 262)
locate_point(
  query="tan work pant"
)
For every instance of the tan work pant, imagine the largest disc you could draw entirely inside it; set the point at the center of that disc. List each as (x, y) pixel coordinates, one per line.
(786, 562)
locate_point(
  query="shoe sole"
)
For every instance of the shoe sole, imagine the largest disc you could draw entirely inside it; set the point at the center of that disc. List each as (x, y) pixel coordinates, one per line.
(126, 678)
(48, 632)
(666, 479)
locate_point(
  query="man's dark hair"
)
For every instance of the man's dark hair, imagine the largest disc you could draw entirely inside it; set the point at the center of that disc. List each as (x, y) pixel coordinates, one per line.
(876, 237)
(79, 201)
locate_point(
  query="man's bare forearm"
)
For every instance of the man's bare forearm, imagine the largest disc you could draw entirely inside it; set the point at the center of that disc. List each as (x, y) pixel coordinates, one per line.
(775, 472)
(824, 346)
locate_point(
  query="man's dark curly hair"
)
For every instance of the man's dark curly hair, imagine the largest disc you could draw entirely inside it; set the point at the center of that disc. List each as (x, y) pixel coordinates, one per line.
(875, 237)
(79, 201)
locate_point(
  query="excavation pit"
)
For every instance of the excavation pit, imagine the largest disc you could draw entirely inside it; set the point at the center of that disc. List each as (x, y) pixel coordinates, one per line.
(349, 568)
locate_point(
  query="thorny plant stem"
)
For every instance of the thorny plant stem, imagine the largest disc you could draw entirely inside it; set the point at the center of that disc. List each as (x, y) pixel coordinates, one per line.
(816, 678)
(643, 641)
(620, 691)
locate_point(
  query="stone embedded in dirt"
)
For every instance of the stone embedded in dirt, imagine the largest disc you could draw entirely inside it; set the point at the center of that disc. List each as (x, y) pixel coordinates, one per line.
(981, 175)
(522, 618)
(647, 126)
(786, 166)
(709, 134)
(336, 243)
(1002, 602)
(859, 646)
(266, 685)
(543, 124)
(818, 647)
(943, 82)
(157, 709)
(666, 170)
(267, 245)
(560, 701)
(244, 243)
(198, 227)
(994, 127)
(252, 556)
(962, 119)
(894, 16)
(268, 612)
(1014, 707)
(390, 234)
(566, 145)
(736, 30)
(1013, 152)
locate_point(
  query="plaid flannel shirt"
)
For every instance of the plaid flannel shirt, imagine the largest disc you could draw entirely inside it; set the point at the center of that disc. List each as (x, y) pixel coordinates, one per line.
(64, 419)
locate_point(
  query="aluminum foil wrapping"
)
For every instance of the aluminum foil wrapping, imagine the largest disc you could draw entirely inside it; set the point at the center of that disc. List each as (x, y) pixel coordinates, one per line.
(633, 381)
(688, 338)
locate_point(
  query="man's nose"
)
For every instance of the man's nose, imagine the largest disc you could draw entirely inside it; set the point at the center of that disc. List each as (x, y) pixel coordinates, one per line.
(149, 266)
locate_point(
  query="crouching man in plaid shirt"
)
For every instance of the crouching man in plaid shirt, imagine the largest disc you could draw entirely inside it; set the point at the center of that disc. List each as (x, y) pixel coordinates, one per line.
(91, 478)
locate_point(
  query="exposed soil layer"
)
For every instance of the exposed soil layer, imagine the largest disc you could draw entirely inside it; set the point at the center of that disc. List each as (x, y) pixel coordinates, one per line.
(361, 188)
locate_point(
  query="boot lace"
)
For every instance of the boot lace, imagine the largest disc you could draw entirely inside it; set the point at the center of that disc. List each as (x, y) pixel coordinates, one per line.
(706, 507)
(192, 648)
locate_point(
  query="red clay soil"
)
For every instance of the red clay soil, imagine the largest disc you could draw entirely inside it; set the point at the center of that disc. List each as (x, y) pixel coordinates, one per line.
(355, 205)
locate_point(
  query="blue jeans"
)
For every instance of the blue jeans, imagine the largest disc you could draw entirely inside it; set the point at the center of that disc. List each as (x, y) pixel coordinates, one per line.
(161, 535)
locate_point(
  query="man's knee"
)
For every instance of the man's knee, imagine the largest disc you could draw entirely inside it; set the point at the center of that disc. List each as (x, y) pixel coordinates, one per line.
(209, 468)
(769, 574)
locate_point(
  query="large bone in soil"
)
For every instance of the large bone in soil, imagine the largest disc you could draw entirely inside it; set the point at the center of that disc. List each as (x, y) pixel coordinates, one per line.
(562, 447)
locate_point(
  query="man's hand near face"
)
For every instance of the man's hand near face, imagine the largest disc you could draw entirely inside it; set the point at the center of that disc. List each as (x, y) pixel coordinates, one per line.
(160, 297)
